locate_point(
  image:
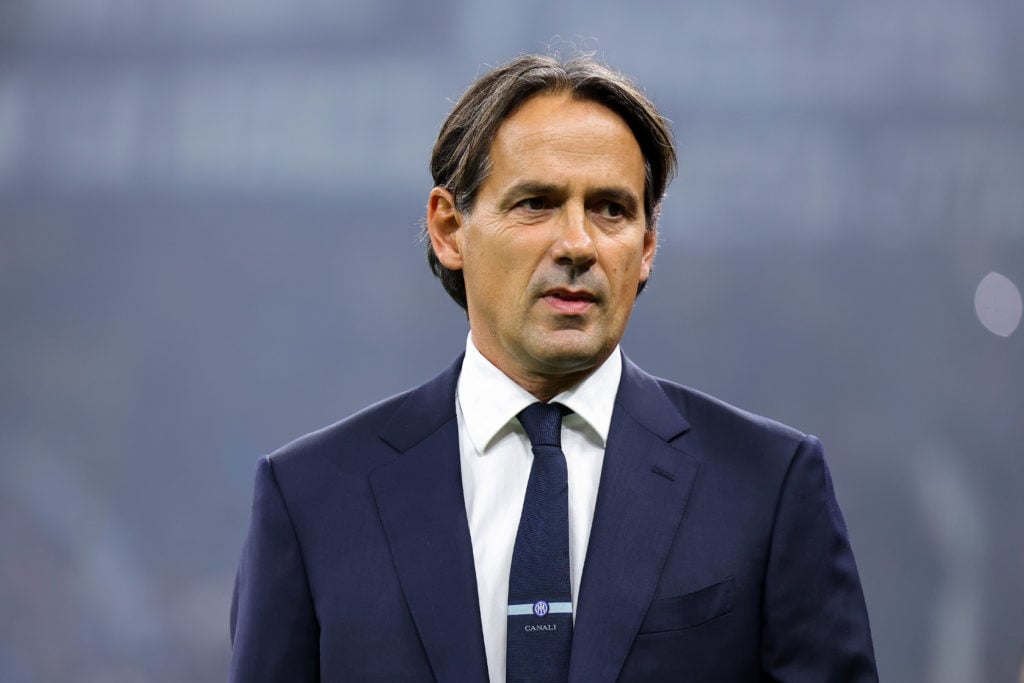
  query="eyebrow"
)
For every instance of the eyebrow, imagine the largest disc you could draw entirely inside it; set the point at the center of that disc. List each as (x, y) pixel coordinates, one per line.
(626, 198)
(531, 188)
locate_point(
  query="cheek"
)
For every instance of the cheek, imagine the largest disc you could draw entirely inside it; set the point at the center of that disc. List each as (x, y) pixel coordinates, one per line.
(629, 265)
(497, 281)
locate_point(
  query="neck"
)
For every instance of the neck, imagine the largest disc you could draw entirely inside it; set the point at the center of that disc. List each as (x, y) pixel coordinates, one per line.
(543, 384)
(546, 388)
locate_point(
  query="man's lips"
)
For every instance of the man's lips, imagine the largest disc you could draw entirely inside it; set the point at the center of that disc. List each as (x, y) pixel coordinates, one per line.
(569, 302)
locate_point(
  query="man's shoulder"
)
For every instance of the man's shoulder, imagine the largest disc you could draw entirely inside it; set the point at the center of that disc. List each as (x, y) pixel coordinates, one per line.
(702, 406)
(379, 432)
(716, 426)
(356, 433)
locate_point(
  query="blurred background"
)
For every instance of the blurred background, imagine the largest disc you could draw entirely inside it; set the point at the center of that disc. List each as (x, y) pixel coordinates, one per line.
(209, 246)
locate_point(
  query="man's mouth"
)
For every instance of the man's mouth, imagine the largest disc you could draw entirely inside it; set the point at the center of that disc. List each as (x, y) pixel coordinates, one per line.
(569, 302)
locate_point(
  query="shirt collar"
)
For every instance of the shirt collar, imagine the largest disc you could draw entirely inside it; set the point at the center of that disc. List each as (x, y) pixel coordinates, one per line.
(489, 400)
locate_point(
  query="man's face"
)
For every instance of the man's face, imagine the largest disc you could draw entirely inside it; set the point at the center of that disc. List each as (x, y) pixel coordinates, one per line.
(556, 243)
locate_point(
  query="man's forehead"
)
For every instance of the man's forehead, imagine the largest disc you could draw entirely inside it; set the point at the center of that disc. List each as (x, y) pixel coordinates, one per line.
(545, 115)
(556, 135)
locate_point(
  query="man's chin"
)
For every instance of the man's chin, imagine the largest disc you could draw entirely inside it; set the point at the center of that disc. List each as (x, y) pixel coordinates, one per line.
(571, 353)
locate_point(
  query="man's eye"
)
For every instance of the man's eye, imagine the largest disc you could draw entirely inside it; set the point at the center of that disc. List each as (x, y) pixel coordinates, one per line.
(534, 203)
(613, 210)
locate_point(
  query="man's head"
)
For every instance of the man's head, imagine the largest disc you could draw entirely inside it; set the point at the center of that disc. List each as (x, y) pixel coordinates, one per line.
(461, 156)
(543, 221)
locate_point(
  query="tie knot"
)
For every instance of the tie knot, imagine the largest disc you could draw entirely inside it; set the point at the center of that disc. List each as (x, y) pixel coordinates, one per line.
(543, 423)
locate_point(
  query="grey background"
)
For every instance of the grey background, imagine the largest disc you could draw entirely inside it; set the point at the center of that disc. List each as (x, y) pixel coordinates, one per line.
(208, 246)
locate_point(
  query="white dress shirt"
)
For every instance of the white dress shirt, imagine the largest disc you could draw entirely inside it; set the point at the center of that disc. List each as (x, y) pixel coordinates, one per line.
(496, 458)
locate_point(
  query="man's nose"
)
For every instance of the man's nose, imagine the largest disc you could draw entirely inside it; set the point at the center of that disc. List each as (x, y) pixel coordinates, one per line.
(574, 244)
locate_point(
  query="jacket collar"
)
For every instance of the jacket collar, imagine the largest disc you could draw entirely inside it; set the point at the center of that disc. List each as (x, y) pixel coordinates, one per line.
(420, 502)
(645, 484)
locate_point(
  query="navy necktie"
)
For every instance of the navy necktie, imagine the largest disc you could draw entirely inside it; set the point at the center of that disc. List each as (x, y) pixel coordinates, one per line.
(539, 594)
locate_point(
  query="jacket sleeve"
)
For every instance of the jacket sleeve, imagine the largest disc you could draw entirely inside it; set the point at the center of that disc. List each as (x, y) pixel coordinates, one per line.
(274, 630)
(815, 622)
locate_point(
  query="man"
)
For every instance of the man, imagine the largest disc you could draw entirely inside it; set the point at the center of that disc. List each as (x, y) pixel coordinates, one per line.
(544, 509)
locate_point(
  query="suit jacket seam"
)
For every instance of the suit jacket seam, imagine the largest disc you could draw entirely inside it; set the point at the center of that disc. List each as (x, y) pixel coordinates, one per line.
(401, 453)
(640, 423)
(780, 495)
(775, 521)
(298, 539)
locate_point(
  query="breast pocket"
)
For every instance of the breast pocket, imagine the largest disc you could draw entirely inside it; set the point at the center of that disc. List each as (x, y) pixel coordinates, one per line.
(692, 609)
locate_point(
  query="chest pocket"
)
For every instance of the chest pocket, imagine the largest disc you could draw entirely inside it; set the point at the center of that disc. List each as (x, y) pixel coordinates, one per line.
(692, 609)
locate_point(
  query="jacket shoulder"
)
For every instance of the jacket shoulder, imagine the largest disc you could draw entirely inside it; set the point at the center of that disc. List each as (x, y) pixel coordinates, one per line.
(380, 432)
(353, 442)
(721, 428)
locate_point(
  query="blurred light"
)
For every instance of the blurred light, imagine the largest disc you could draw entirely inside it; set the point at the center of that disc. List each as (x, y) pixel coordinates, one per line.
(998, 304)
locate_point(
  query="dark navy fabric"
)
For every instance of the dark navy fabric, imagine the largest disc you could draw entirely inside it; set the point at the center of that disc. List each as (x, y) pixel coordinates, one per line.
(539, 642)
(717, 553)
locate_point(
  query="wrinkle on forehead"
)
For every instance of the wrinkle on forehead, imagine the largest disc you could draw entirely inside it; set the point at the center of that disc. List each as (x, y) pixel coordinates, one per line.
(532, 138)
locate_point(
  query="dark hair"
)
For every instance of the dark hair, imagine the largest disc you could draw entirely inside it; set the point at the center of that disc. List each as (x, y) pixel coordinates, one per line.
(461, 158)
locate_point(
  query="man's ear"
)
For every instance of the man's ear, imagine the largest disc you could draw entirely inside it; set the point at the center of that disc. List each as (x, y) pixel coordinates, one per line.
(443, 224)
(650, 248)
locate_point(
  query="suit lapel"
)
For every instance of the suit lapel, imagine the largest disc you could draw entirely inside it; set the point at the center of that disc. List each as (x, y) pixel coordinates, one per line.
(645, 483)
(421, 505)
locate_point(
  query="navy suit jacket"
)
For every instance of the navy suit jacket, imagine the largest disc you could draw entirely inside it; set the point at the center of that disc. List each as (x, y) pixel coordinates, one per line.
(717, 553)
